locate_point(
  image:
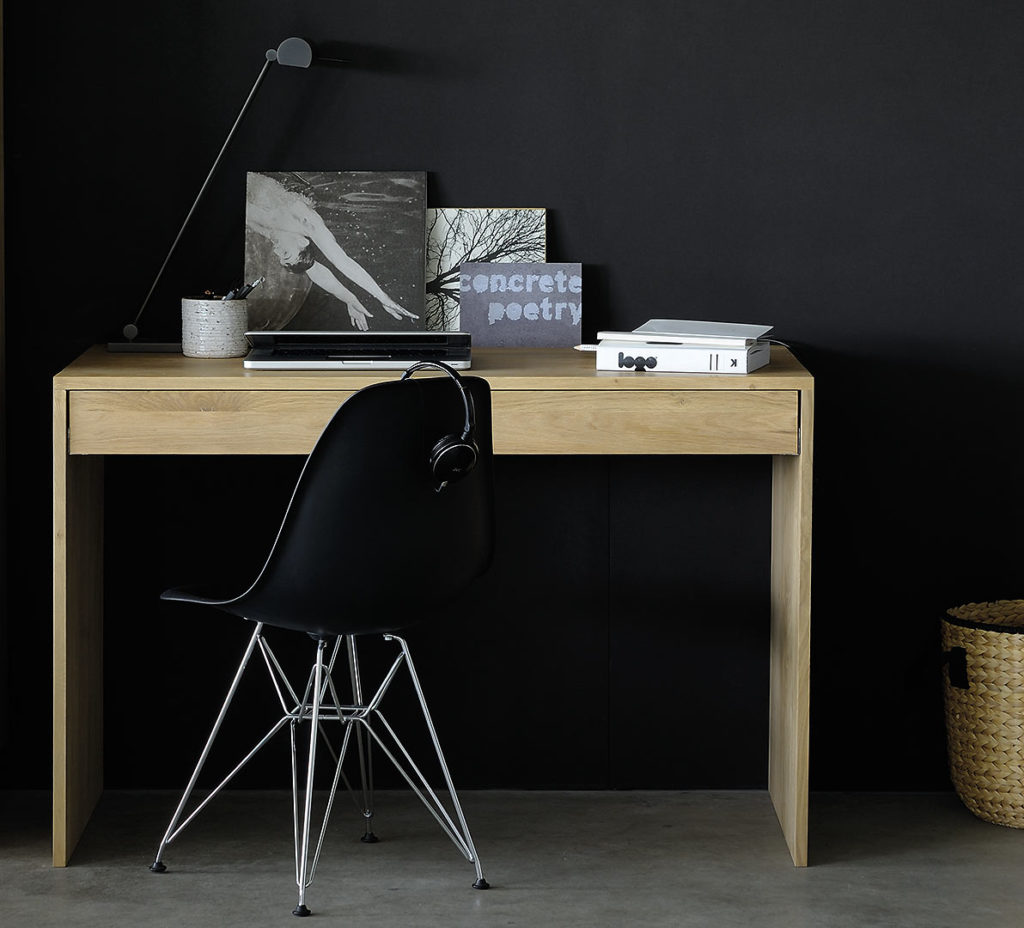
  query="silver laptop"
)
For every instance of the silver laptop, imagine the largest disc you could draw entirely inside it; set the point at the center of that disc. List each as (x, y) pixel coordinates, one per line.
(288, 350)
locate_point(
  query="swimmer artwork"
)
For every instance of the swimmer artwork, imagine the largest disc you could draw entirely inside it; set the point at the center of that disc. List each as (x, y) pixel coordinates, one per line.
(339, 251)
(527, 304)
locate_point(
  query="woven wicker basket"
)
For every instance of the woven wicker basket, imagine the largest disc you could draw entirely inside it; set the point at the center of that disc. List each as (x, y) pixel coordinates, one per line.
(984, 690)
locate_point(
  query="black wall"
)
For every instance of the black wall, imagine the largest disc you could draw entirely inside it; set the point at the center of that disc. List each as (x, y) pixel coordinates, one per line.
(849, 172)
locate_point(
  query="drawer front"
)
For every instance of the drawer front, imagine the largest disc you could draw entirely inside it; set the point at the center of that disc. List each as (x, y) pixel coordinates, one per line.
(198, 421)
(646, 422)
(525, 421)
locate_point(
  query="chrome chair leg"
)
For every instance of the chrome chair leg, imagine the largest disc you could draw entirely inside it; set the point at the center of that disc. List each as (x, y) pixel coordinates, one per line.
(172, 829)
(302, 858)
(364, 748)
(460, 834)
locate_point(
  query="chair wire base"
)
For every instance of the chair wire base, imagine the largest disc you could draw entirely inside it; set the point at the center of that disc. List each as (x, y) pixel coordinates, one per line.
(318, 705)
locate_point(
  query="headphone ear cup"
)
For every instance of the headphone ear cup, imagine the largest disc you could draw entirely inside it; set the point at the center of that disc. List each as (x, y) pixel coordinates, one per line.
(451, 458)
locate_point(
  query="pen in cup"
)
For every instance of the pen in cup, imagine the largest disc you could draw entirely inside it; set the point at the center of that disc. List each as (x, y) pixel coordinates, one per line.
(242, 292)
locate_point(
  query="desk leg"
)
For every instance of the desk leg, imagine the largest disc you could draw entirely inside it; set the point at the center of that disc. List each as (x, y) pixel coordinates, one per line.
(789, 722)
(77, 638)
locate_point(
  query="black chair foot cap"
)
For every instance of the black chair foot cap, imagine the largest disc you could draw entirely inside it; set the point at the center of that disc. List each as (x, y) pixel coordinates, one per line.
(481, 884)
(158, 867)
(369, 838)
(301, 911)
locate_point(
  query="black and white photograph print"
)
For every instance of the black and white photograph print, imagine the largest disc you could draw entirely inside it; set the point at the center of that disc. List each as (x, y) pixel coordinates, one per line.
(457, 236)
(338, 251)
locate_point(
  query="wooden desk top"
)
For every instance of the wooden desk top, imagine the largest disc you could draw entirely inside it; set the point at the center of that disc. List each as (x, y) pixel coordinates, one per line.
(503, 368)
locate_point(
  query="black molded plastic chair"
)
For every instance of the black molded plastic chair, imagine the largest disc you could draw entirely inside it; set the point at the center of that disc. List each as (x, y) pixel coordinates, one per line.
(400, 462)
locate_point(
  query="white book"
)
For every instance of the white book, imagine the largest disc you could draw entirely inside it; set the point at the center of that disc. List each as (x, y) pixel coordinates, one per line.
(659, 357)
(692, 332)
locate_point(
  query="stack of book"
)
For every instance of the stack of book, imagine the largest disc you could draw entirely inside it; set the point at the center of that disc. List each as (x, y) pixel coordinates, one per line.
(685, 346)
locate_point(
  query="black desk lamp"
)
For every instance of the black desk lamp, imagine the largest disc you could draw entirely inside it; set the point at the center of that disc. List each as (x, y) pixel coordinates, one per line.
(293, 53)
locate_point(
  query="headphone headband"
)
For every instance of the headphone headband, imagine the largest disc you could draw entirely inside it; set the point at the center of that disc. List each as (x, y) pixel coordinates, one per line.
(467, 400)
(452, 456)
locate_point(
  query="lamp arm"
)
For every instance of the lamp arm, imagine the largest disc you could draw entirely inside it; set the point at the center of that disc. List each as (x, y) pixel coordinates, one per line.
(130, 330)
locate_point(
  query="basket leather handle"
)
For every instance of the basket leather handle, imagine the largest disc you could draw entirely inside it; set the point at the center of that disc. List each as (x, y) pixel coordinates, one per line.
(956, 658)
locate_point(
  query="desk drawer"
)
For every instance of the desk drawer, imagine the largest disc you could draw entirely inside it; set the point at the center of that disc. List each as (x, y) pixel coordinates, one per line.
(525, 421)
(646, 422)
(198, 421)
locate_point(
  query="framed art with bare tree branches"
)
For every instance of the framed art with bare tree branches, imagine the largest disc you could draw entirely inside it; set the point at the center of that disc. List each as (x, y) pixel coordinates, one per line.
(457, 236)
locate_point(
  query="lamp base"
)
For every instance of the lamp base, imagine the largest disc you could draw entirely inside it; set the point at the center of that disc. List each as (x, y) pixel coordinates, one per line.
(145, 347)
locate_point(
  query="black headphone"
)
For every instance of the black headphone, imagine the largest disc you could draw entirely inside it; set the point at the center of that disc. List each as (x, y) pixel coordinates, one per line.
(452, 456)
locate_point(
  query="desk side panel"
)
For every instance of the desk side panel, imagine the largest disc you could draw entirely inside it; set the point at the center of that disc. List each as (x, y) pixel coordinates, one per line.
(77, 638)
(789, 726)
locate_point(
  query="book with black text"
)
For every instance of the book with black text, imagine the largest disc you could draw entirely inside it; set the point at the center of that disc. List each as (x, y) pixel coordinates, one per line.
(660, 357)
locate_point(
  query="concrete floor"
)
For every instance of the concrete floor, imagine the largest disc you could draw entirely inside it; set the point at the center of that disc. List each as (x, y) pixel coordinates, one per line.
(560, 859)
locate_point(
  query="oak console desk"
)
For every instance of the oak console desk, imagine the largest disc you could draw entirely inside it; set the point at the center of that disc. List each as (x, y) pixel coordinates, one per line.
(549, 401)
